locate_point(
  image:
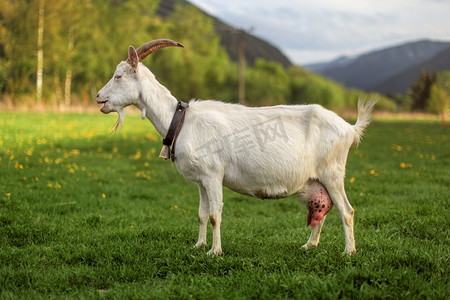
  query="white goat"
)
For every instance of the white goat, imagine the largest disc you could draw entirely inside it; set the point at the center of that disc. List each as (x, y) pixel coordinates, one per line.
(264, 152)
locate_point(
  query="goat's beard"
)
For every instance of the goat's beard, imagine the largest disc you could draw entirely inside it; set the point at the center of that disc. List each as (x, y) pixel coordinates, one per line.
(119, 122)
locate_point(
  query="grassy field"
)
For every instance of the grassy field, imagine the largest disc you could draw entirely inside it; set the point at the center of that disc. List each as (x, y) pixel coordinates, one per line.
(87, 215)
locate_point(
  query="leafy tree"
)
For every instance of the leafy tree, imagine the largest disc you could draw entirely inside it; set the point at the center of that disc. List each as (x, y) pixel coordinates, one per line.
(310, 88)
(439, 102)
(103, 40)
(84, 40)
(420, 91)
(267, 83)
(3, 76)
(202, 69)
(18, 43)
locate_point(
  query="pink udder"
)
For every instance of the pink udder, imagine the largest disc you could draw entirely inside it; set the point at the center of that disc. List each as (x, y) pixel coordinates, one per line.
(319, 204)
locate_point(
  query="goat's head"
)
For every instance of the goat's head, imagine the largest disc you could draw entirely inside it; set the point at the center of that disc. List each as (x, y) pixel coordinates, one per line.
(124, 87)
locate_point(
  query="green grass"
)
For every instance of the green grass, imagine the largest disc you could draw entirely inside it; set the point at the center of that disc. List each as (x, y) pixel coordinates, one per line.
(88, 215)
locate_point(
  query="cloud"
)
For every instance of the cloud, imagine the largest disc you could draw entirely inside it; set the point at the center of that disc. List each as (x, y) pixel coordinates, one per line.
(320, 28)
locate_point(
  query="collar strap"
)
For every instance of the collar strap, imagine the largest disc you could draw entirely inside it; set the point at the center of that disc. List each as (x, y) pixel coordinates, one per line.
(168, 150)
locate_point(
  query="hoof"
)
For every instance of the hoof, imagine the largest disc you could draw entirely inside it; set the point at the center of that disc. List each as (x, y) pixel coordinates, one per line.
(199, 245)
(308, 246)
(215, 252)
(349, 253)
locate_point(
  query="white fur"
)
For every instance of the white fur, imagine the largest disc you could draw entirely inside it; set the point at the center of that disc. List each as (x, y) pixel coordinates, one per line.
(265, 152)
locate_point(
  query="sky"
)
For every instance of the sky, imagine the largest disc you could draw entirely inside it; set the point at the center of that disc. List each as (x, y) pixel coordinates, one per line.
(311, 31)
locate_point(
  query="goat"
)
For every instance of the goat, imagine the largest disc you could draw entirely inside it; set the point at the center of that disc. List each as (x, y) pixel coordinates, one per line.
(264, 152)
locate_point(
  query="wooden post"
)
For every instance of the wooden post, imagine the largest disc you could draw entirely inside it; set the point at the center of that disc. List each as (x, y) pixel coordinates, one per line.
(40, 53)
(241, 54)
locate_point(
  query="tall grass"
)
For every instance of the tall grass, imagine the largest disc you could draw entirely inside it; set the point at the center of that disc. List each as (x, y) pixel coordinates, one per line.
(88, 215)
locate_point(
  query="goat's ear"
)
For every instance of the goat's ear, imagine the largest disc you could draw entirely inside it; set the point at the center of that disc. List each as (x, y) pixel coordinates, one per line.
(133, 58)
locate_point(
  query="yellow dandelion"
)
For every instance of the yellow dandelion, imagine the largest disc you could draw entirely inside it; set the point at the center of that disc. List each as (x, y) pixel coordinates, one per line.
(103, 196)
(138, 154)
(352, 179)
(8, 194)
(405, 165)
(396, 147)
(151, 137)
(372, 172)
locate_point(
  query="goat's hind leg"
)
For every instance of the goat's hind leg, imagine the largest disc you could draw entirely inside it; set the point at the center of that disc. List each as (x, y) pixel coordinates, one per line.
(314, 238)
(336, 190)
(319, 203)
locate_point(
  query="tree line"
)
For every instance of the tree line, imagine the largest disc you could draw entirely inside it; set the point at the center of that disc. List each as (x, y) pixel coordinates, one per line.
(55, 52)
(430, 92)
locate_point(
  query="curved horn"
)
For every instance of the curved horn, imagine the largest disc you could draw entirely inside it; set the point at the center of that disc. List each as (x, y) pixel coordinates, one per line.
(150, 47)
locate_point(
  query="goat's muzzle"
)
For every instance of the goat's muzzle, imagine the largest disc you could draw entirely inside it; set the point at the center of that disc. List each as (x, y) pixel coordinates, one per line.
(104, 109)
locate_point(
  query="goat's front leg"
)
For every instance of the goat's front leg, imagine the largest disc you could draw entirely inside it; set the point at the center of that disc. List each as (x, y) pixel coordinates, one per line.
(203, 214)
(214, 193)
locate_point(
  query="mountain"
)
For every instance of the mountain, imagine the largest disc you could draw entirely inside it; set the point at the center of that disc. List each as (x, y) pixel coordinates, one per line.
(229, 37)
(338, 62)
(388, 71)
(399, 83)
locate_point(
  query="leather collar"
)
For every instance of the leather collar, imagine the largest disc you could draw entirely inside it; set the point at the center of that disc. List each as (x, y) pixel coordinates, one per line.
(168, 150)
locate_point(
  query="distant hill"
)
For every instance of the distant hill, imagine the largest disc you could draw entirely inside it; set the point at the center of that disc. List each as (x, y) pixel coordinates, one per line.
(390, 70)
(254, 47)
(336, 63)
(399, 83)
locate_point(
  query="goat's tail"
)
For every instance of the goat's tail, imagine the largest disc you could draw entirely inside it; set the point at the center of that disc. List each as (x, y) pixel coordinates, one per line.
(364, 116)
